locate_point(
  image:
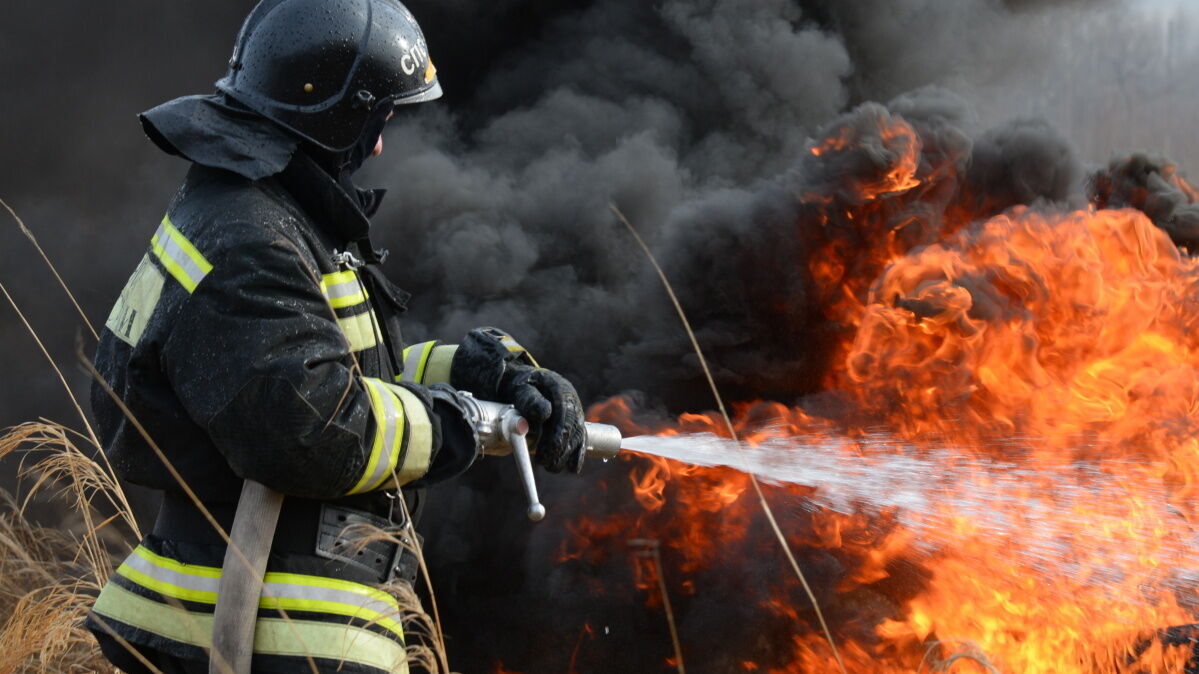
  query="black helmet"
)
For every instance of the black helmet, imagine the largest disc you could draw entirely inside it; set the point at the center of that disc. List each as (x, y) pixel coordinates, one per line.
(321, 68)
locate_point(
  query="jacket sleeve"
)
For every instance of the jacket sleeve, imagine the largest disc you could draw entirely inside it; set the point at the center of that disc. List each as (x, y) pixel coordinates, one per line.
(261, 359)
(428, 363)
(432, 362)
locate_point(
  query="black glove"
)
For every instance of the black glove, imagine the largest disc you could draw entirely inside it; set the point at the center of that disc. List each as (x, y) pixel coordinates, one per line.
(554, 413)
(455, 442)
(491, 365)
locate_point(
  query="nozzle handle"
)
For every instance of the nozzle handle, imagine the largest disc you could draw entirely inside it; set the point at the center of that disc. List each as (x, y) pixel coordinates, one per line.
(514, 428)
(502, 430)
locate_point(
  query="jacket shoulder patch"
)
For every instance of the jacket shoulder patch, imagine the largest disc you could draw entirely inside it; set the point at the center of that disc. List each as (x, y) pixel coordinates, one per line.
(131, 314)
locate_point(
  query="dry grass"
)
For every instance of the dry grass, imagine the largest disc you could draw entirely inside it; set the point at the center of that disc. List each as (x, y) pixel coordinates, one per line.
(650, 548)
(49, 577)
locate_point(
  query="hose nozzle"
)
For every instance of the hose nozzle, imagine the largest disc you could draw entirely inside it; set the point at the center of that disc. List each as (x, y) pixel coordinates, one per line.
(603, 441)
(502, 431)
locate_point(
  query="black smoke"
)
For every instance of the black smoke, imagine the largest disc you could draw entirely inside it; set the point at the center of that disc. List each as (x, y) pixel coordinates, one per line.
(695, 118)
(1152, 185)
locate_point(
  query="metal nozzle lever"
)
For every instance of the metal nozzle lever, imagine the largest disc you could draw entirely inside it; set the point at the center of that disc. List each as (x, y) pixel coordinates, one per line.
(515, 429)
(502, 431)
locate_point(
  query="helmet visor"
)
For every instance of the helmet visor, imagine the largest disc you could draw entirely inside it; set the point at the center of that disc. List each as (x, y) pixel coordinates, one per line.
(432, 93)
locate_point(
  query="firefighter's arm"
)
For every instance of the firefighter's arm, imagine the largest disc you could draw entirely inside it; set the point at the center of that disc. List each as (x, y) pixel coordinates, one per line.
(486, 352)
(261, 363)
(494, 366)
(428, 363)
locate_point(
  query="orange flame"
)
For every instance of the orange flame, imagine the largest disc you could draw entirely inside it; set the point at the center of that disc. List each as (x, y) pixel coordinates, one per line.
(1065, 345)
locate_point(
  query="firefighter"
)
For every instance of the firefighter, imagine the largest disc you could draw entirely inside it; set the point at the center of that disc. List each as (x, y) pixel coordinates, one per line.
(258, 340)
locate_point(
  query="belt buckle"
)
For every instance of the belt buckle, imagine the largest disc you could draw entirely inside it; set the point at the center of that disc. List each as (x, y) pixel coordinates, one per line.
(407, 564)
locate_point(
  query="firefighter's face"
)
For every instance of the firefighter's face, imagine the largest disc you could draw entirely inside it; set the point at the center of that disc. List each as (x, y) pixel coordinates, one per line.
(379, 143)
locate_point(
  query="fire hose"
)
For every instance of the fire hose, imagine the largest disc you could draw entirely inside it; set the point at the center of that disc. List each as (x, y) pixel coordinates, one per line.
(501, 431)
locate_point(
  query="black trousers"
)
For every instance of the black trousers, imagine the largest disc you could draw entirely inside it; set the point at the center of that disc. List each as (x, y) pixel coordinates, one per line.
(127, 662)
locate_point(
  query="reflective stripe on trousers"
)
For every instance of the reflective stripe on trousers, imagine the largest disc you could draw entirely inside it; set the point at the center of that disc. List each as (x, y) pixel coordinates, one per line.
(334, 638)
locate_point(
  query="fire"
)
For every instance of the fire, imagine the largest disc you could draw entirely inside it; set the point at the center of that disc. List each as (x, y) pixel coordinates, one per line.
(1052, 357)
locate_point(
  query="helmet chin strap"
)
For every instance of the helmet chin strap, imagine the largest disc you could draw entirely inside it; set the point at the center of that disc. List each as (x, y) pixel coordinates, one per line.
(344, 164)
(362, 150)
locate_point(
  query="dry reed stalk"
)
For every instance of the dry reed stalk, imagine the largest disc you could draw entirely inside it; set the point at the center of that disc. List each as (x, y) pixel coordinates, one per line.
(412, 542)
(46, 258)
(769, 512)
(651, 549)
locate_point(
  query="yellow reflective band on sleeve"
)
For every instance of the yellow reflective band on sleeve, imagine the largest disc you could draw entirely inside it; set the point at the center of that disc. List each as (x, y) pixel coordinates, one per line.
(415, 358)
(361, 330)
(288, 591)
(514, 347)
(343, 289)
(272, 636)
(419, 448)
(428, 363)
(388, 413)
(511, 344)
(437, 368)
(180, 258)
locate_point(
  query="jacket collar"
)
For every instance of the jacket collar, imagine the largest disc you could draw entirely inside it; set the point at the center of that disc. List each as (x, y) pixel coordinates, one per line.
(341, 213)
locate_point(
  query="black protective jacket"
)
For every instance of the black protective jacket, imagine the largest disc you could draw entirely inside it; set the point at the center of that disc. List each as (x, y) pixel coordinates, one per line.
(257, 340)
(226, 345)
(249, 369)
